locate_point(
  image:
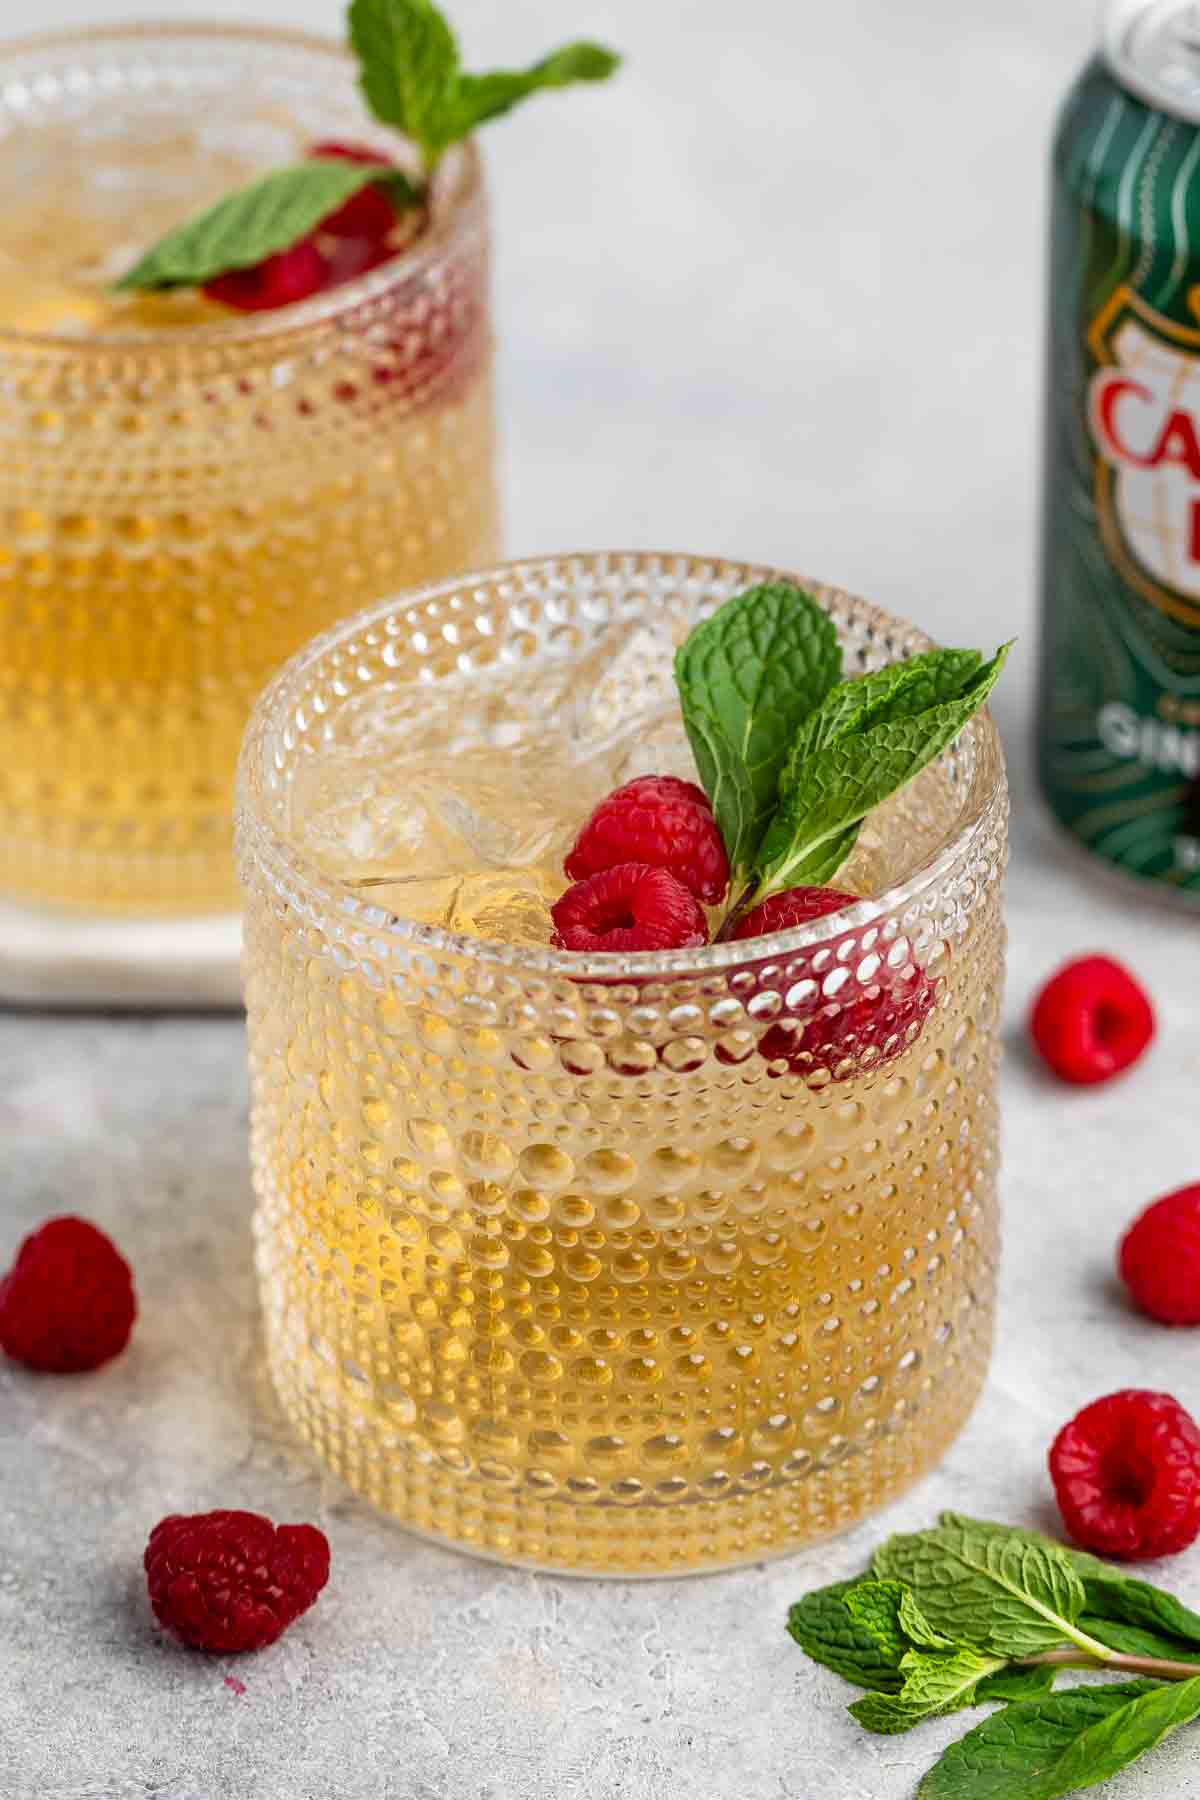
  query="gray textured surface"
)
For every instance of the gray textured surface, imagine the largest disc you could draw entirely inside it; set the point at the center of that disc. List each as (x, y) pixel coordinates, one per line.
(796, 322)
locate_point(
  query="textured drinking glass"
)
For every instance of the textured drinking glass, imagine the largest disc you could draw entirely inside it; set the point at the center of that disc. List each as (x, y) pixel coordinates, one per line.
(188, 494)
(559, 1260)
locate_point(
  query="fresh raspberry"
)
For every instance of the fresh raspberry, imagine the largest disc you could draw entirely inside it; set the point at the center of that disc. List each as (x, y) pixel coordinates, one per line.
(1160, 1258)
(67, 1304)
(660, 820)
(369, 214)
(798, 906)
(347, 243)
(279, 280)
(348, 257)
(231, 1580)
(631, 907)
(885, 1016)
(1126, 1473)
(1091, 1020)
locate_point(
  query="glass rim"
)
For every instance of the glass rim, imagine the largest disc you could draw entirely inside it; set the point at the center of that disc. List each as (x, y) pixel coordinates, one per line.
(338, 898)
(456, 194)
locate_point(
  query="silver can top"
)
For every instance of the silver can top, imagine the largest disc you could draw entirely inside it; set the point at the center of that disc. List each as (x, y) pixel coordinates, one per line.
(1153, 49)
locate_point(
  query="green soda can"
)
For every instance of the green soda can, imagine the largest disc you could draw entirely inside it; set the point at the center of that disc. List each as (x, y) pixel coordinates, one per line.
(1119, 703)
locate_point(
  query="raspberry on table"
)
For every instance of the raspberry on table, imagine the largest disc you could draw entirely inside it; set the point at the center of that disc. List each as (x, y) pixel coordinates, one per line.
(67, 1304)
(228, 1581)
(1126, 1473)
(660, 820)
(1159, 1258)
(1092, 1020)
(884, 1017)
(630, 907)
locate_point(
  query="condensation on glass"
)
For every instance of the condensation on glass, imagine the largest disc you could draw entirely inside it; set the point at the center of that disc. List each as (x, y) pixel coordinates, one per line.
(557, 1263)
(187, 494)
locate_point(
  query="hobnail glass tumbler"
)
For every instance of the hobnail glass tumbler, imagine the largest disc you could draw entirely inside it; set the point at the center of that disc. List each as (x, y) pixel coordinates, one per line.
(188, 494)
(575, 1263)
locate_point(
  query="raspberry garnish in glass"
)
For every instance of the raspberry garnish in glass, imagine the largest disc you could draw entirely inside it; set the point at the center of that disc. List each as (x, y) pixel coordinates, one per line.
(623, 951)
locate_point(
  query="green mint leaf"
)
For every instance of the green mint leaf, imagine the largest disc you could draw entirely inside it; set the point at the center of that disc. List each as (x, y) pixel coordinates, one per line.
(932, 1685)
(916, 1626)
(1014, 1754)
(747, 677)
(1010, 1596)
(824, 1628)
(875, 1605)
(833, 790)
(411, 73)
(1071, 1740)
(1135, 1640)
(888, 1611)
(1125, 1734)
(269, 215)
(1016, 1683)
(1115, 1596)
(402, 192)
(478, 98)
(1109, 1592)
(992, 1528)
(408, 66)
(900, 691)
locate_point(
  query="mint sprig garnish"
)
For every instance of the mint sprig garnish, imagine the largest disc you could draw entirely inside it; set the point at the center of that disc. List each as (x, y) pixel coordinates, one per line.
(478, 98)
(972, 1612)
(748, 676)
(408, 65)
(792, 757)
(825, 796)
(257, 221)
(411, 75)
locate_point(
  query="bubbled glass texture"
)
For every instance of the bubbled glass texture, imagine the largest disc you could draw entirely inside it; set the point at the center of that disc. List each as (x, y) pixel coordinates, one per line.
(566, 1270)
(181, 508)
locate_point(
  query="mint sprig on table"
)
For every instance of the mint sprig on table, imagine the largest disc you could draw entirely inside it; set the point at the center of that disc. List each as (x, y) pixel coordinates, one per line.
(971, 1612)
(411, 76)
(792, 756)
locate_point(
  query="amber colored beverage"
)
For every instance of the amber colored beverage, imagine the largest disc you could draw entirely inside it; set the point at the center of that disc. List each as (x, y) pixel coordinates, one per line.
(187, 494)
(562, 1260)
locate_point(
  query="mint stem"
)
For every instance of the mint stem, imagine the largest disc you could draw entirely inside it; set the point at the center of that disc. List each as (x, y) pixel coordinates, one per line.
(1091, 1646)
(733, 914)
(1162, 1666)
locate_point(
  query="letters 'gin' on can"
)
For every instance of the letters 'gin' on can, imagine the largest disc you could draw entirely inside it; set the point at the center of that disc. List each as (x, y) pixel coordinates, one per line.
(1119, 715)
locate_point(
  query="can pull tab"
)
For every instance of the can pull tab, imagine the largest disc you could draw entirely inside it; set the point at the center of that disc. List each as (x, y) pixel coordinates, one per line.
(1153, 49)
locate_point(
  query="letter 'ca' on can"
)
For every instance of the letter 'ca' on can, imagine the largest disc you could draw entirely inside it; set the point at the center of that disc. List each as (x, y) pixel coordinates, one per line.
(1119, 701)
